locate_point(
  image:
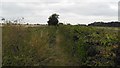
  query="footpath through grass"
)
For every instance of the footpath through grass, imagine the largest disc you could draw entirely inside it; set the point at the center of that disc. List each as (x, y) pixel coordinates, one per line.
(60, 46)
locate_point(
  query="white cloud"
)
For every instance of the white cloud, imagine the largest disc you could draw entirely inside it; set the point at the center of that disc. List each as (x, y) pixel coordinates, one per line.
(71, 11)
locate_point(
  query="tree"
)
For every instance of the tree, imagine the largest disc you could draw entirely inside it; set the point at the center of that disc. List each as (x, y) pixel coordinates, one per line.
(3, 19)
(53, 19)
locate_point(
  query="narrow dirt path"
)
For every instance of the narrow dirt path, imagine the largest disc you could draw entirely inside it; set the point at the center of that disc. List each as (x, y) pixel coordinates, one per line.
(60, 56)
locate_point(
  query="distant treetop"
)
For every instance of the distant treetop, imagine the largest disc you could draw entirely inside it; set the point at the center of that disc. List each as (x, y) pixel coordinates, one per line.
(53, 19)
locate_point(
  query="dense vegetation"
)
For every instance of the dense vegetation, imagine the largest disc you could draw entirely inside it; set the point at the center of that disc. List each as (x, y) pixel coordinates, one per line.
(65, 45)
(105, 24)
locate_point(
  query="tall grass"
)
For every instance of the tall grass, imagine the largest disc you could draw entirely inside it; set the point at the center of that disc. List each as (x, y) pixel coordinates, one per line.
(53, 46)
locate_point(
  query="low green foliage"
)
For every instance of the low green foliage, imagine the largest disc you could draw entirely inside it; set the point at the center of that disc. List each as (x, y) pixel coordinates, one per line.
(63, 45)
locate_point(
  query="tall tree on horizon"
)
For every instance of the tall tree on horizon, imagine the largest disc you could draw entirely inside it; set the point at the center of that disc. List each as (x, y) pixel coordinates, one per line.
(53, 19)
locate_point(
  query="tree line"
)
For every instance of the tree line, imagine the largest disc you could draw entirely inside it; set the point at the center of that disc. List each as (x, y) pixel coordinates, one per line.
(105, 24)
(53, 21)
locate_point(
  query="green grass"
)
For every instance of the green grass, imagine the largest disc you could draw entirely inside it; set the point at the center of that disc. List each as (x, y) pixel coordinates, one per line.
(56, 46)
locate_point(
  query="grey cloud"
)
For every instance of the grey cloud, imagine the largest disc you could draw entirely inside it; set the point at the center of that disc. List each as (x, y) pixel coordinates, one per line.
(76, 9)
(12, 9)
(50, 1)
(21, 9)
(92, 9)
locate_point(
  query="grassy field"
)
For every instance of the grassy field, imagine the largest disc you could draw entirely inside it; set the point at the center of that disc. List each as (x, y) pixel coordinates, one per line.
(65, 45)
(0, 47)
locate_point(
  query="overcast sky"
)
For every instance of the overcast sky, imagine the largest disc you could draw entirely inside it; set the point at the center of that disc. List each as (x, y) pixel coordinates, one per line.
(70, 11)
